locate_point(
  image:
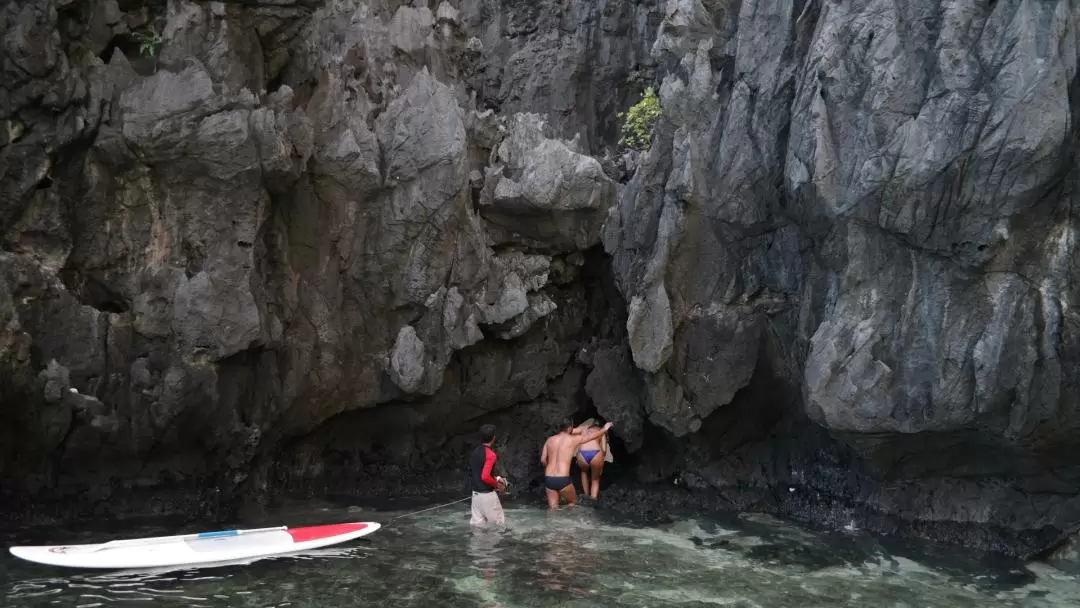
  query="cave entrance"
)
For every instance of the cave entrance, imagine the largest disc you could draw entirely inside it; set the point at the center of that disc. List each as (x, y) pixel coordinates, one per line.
(143, 61)
(623, 468)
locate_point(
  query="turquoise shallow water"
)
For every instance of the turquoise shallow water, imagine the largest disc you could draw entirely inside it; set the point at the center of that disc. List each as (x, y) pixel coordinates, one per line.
(576, 557)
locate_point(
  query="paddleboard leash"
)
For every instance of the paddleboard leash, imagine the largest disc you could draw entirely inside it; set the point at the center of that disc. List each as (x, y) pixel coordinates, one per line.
(429, 509)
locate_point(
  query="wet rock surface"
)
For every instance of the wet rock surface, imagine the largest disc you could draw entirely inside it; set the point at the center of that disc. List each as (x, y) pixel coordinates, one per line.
(311, 245)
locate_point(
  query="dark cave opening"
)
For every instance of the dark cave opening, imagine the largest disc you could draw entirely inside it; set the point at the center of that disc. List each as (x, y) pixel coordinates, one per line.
(116, 42)
(417, 444)
(95, 290)
(126, 43)
(277, 80)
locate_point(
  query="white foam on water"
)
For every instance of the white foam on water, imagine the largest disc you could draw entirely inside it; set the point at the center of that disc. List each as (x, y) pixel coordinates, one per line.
(475, 586)
(673, 597)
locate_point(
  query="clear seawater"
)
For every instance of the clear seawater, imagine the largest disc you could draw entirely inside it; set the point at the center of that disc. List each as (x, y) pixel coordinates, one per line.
(572, 557)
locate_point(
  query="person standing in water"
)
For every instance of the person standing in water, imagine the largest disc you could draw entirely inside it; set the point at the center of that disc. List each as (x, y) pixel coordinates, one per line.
(591, 456)
(486, 507)
(556, 456)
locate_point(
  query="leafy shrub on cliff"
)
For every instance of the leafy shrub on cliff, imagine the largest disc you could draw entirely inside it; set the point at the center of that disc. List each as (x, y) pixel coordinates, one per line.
(639, 120)
(149, 41)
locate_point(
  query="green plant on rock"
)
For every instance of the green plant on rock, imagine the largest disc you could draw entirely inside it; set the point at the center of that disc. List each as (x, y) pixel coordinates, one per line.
(149, 41)
(639, 120)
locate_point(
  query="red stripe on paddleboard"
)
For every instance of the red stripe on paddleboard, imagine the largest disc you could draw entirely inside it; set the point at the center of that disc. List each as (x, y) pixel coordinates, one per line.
(300, 535)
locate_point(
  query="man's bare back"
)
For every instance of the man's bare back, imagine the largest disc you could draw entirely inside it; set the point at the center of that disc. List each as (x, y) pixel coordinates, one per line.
(556, 457)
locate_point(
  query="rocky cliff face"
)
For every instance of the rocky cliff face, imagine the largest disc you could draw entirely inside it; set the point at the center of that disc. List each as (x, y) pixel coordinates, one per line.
(313, 243)
(291, 218)
(870, 205)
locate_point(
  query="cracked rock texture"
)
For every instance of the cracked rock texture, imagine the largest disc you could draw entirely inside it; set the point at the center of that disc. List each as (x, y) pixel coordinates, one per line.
(314, 243)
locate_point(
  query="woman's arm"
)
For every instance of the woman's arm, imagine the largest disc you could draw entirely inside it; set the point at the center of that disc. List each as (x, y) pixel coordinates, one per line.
(594, 435)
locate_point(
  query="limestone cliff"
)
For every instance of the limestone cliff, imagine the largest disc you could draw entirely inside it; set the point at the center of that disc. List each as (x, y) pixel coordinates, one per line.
(311, 244)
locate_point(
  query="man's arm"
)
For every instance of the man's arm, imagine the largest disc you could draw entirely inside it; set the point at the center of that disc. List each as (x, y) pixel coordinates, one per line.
(544, 454)
(489, 463)
(593, 435)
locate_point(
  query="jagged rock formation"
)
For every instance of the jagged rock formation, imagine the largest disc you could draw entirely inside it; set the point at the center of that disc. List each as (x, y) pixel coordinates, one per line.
(317, 241)
(871, 203)
(288, 212)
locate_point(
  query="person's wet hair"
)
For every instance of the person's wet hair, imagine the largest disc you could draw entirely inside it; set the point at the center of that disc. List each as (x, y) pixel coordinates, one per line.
(567, 423)
(487, 433)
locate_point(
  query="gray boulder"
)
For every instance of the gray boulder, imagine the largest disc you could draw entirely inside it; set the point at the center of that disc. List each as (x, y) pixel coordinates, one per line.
(542, 192)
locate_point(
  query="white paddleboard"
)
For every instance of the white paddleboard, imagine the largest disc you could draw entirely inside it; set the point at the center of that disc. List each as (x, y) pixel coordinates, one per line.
(195, 549)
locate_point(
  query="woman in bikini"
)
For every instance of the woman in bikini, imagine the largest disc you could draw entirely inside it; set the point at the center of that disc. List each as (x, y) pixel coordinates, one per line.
(590, 458)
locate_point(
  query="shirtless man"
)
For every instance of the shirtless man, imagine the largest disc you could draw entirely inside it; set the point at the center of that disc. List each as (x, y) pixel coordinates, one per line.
(556, 456)
(590, 459)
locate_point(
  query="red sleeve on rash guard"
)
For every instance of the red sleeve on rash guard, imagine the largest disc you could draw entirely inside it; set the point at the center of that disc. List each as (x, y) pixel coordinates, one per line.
(489, 463)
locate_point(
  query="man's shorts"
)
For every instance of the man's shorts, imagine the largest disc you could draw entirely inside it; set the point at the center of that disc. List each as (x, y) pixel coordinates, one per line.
(486, 509)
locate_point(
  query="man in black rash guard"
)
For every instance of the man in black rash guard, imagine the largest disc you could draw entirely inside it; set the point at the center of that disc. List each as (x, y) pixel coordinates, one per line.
(486, 507)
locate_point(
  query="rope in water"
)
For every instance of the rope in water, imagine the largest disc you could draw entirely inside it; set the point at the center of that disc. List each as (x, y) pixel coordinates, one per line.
(429, 509)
